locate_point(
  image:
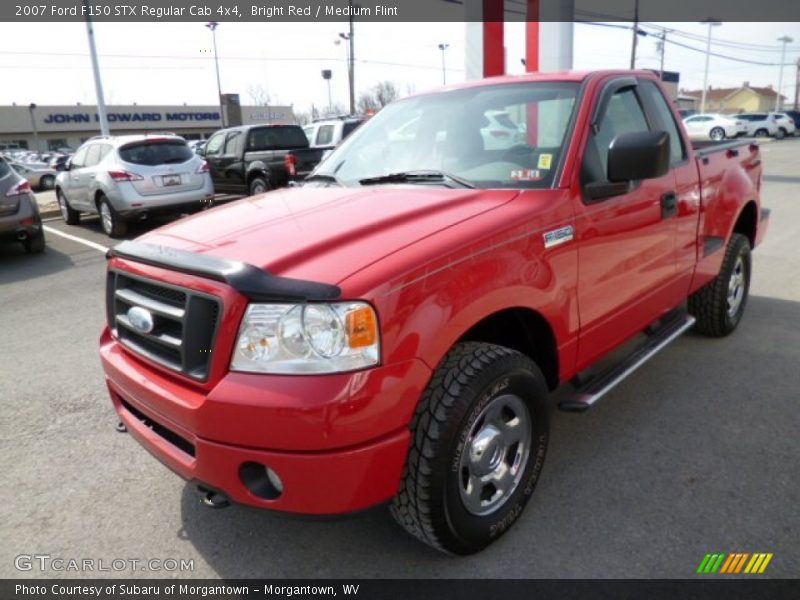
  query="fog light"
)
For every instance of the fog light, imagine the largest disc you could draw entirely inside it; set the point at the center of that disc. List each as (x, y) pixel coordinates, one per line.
(262, 481)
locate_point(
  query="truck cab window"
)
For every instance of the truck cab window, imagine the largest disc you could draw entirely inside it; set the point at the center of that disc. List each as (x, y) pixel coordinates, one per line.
(214, 145)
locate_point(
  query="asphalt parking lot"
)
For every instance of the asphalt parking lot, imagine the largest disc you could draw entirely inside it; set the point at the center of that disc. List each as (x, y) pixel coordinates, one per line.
(697, 452)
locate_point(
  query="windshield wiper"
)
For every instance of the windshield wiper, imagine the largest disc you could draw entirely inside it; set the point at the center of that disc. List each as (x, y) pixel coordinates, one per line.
(424, 176)
(324, 177)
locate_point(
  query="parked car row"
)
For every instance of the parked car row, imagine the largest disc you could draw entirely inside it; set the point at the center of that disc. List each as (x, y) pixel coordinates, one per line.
(19, 213)
(718, 127)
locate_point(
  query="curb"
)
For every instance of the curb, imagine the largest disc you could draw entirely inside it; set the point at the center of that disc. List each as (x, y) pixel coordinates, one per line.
(49, 213)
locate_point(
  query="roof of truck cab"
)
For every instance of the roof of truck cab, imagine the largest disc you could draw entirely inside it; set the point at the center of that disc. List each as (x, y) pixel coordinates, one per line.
(574, 76)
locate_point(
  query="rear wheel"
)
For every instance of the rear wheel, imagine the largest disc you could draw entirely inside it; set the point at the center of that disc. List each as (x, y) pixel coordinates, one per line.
(113, 224)
(717, 134)
(70, 216)
(35, 244)
(762, 133)
(47, 182)
(781, 133)
(259, 185)
(719, 305)
(479, 438)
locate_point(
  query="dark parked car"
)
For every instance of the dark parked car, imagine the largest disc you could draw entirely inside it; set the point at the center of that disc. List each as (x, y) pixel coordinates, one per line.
(255, 159)
(19, 213)
(59, 163)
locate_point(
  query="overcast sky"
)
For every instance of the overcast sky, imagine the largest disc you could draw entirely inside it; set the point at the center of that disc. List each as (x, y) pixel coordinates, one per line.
(171, 63)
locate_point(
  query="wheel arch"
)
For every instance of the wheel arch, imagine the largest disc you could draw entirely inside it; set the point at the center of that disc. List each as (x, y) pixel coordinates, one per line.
(524, 330)
(747, 222)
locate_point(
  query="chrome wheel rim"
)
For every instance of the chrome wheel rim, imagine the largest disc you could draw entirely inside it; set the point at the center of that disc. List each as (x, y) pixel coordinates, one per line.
(717, 134)
(258, 189)
(495, 455)
(105, 217)
(736, 287)
(47, 183)
(62, 206)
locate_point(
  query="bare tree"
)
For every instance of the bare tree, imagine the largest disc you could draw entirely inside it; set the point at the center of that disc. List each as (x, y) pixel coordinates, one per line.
(375, 98)
(259, 94)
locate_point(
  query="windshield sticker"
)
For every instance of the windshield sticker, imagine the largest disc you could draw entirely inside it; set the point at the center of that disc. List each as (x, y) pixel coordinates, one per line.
(545, 160)
(526, 175)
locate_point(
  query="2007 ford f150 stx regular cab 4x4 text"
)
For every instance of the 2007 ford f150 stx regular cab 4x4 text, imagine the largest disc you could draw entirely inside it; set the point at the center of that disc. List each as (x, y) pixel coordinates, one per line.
(390, 330)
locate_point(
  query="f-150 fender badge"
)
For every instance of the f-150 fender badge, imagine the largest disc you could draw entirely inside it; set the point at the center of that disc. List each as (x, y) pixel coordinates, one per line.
(558, 236)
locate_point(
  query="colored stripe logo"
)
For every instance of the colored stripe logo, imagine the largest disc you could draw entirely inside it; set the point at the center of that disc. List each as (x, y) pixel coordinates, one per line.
(734, 563)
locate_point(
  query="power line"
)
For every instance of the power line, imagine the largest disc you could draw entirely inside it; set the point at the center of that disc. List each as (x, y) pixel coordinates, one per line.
(688, 47)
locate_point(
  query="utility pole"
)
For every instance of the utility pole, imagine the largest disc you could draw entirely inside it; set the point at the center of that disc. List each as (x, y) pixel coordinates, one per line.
(662, 47)
(348, 37)
(212, 25)
(444, 47)
(797, 86)
(784, 40)
(711, 23)
(98, 84)
(635, 33)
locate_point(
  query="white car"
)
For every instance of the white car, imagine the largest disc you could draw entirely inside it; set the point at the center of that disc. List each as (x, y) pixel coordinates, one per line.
(711, 127)
(501, 133)
(761, 125)
(784, 122)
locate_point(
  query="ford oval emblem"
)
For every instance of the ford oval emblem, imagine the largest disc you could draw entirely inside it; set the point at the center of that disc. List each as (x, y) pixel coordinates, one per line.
(141, 319)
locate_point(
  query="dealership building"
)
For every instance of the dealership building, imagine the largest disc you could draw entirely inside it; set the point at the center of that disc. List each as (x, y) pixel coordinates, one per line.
(69, 126)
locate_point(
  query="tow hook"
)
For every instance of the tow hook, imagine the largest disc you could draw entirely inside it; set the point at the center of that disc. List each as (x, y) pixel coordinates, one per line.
(212, 499)
(120, 428)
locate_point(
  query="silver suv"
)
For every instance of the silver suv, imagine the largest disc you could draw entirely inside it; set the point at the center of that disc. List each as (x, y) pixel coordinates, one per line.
(129, 177)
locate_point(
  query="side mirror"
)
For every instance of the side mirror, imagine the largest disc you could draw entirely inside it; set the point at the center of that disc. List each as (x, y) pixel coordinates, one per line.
(640, 155)
(200, 151)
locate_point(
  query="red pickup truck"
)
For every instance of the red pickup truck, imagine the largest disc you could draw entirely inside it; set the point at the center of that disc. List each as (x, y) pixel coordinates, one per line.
(390, 331)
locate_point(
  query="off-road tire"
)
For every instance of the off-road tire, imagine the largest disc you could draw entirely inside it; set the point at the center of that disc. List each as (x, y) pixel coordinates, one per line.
(69, 214)
(428, 504)
(709, 304)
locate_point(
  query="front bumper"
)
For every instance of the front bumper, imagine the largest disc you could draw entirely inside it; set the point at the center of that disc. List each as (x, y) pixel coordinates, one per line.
(338, 443)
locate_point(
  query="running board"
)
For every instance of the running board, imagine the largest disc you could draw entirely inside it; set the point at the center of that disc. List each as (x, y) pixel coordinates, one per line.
(603, 382)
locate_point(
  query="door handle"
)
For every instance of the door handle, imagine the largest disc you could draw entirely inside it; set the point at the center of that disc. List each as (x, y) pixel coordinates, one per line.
(669, 205)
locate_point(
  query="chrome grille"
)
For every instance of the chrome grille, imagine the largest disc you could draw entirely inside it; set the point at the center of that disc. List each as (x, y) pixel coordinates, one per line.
(184, 322)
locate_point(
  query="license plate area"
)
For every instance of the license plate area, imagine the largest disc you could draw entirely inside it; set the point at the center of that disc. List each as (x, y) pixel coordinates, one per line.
(170, 180)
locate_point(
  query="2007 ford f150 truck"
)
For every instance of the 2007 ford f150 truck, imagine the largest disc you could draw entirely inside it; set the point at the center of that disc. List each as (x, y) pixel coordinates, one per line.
(390, 331)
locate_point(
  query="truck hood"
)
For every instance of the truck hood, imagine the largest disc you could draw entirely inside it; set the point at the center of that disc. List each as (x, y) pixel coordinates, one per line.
(325, 234)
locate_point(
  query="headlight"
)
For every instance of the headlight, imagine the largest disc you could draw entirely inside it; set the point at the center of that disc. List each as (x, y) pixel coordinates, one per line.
(307, 338)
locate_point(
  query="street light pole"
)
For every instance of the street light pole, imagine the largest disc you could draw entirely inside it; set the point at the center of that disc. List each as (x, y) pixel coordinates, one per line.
(212, 25)
(711, 23)
(444, 47)
(784, 40)
(98, 84)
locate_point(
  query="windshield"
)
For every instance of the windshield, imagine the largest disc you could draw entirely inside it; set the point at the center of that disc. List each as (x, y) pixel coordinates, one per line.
(500, 136)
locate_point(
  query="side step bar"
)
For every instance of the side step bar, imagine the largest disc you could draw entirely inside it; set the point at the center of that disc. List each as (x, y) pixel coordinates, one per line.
(597, 387)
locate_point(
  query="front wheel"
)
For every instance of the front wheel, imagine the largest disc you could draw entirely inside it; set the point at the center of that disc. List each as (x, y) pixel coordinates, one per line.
(717, 134)
(70, 215)
(762, 133)
(479, 438)
(719, 305)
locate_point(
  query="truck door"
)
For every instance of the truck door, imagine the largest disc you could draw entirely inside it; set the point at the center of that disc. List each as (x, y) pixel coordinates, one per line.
(626, 242)
(231, 162)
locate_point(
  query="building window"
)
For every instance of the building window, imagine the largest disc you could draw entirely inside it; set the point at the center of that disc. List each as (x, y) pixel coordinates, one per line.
(55, 144)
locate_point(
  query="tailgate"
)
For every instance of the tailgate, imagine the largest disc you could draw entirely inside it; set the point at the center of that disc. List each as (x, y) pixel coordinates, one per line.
(307, 159)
